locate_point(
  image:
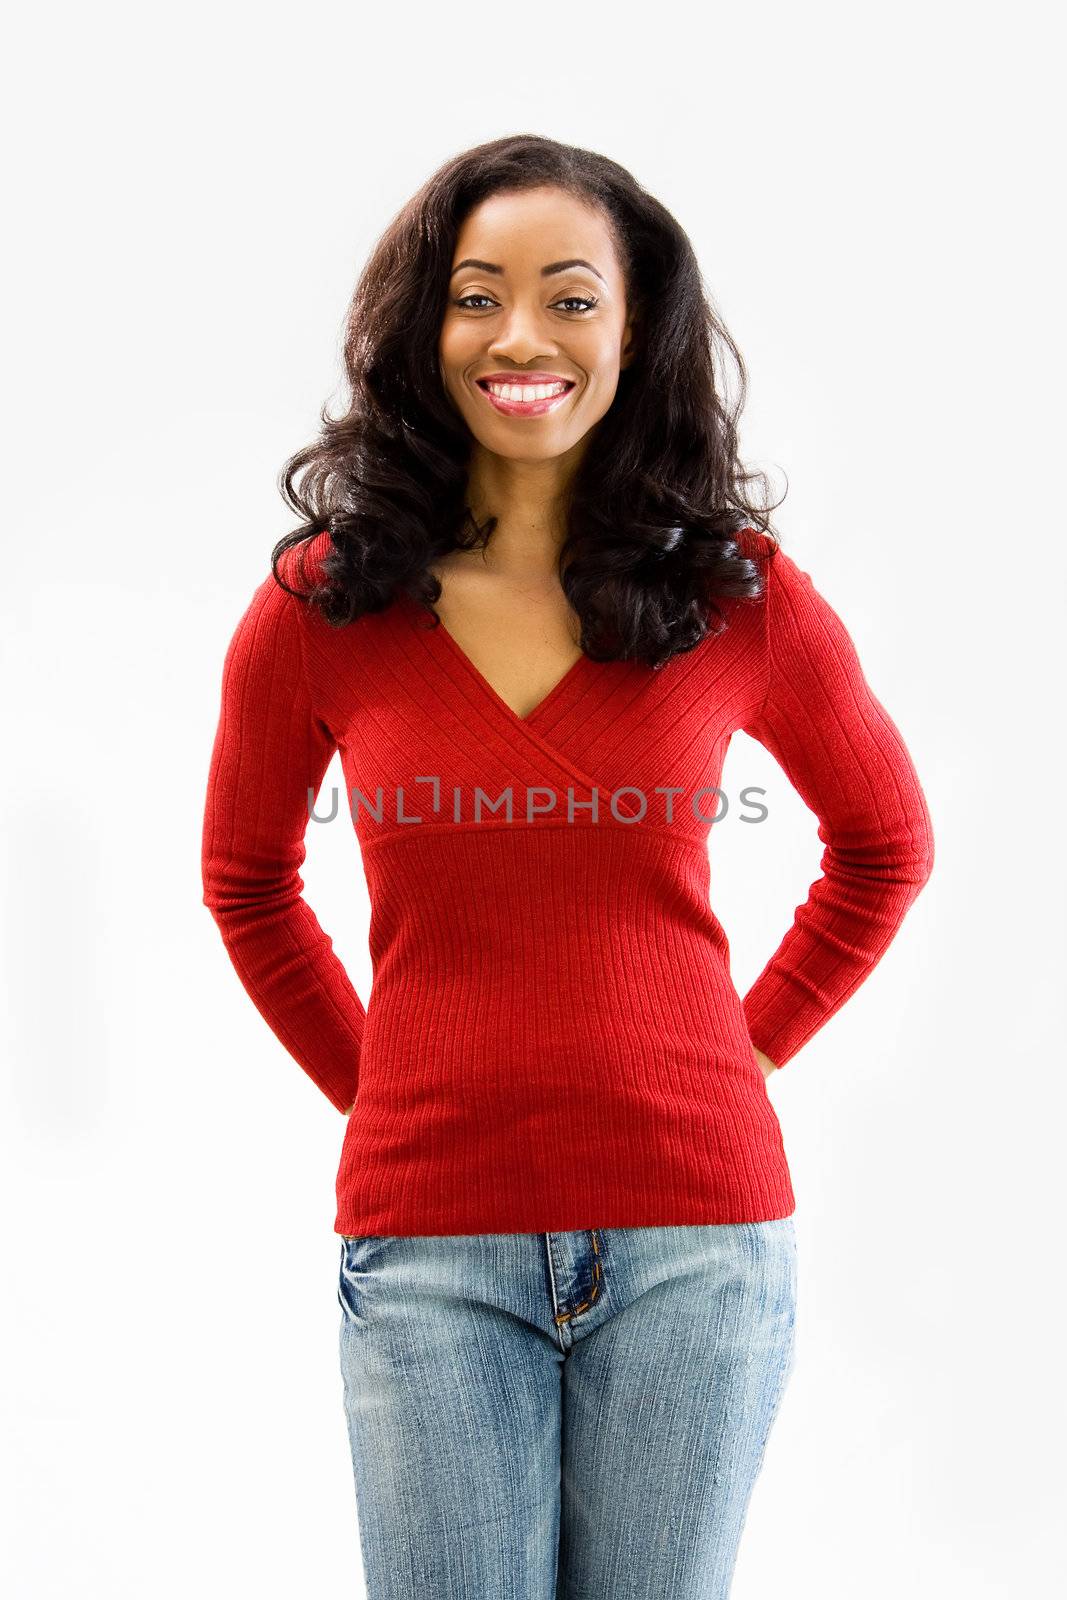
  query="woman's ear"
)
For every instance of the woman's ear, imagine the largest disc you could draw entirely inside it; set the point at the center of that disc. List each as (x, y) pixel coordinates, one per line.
(630, 341)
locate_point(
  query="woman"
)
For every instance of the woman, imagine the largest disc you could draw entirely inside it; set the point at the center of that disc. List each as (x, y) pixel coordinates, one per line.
(529, 604)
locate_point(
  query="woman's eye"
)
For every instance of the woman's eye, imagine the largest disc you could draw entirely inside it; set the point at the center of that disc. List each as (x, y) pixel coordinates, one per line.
(570, 299)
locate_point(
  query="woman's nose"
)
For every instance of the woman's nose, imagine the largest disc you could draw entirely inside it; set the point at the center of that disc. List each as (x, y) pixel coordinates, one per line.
(521, 337)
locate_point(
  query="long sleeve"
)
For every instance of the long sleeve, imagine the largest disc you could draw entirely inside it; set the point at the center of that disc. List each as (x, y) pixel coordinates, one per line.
(847, 760)
(270, 750)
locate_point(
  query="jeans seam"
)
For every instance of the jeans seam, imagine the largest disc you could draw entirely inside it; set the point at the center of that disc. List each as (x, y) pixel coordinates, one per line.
(565, 1316)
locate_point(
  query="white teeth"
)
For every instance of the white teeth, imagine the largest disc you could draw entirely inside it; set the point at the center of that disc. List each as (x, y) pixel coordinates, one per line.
(526, 391)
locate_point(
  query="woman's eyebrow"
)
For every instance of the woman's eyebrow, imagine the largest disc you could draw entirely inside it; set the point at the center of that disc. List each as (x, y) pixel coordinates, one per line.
(553, 267)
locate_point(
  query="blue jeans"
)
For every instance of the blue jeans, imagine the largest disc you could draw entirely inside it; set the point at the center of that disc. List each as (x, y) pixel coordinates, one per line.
(562, 1416)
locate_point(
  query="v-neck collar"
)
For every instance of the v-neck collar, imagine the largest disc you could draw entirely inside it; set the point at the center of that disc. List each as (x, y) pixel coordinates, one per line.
(437, 637)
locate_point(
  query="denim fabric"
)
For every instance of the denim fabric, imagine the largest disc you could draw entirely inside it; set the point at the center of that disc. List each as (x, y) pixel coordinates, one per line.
(562, 1416)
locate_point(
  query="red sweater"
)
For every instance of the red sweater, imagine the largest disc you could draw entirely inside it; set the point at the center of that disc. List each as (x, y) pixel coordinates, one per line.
(553, 1040)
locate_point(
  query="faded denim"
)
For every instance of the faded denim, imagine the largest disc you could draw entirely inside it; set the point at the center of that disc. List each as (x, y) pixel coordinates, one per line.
(562, 1416)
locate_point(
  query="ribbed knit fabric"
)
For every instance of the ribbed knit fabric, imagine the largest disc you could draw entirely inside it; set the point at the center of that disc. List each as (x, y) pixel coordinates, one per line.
(552, 1040)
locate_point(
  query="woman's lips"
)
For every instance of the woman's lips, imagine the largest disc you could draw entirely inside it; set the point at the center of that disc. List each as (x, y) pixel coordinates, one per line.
(525, 408)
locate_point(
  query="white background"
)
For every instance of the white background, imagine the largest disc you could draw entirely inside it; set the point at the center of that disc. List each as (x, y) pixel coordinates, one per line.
(192, 193)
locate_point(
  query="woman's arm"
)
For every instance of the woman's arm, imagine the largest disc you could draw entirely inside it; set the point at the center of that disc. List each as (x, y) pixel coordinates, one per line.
(270, 752)
(846, 758)
(765, 1064)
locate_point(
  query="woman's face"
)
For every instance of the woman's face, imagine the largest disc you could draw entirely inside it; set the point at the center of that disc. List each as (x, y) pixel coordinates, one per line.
(507, 317)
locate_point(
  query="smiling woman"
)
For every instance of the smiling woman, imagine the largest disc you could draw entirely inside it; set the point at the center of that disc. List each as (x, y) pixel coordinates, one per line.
(530, 564)
(524, 259)
(564, 327)
(518, 311)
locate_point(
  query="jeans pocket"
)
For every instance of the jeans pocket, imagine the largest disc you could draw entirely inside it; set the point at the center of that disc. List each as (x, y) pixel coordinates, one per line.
(353, 1273)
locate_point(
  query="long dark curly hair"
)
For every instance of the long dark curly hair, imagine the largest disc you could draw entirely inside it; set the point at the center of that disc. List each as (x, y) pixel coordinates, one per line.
(659, 501)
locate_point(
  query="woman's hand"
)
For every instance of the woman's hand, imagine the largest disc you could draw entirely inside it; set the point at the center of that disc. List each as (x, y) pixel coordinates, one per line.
(767, 1066)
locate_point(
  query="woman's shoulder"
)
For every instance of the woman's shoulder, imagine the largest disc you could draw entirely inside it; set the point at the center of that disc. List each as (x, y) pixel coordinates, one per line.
(300, 566)
(757, 546)
(276, 616)
(782, 574)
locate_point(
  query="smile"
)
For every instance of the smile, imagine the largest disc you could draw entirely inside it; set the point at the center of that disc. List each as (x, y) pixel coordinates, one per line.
(525, 399)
